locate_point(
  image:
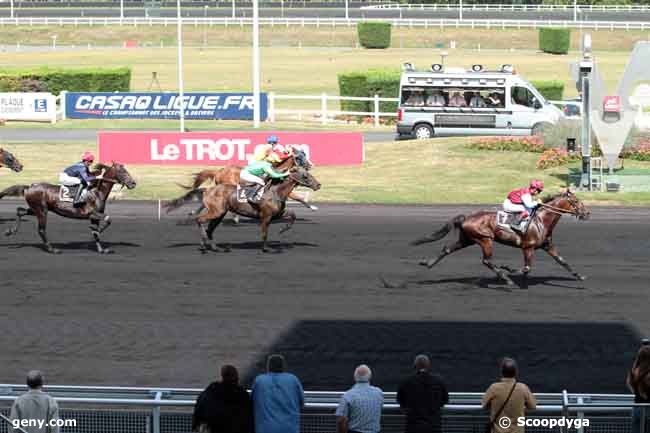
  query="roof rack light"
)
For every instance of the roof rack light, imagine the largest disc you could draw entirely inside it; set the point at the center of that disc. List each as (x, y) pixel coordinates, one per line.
(436, 67)
(508, 69)
(412, 80)
(408, 67)
(477, 68)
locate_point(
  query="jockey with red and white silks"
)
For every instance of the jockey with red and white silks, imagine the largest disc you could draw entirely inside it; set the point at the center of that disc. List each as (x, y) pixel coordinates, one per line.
(521, 200)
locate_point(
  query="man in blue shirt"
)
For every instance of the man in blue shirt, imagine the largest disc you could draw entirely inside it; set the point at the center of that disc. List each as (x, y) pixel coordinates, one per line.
(359, 409)
(278, 398)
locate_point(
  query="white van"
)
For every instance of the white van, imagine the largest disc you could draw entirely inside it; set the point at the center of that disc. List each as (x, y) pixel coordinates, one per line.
(453, 101)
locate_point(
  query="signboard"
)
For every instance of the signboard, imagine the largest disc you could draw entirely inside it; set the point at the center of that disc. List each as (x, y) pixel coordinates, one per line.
(201, 106)
(224, 147)
(38, 106)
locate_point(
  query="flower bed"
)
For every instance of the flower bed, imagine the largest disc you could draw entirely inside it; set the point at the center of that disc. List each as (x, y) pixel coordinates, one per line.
(555, 157)
(515, 144)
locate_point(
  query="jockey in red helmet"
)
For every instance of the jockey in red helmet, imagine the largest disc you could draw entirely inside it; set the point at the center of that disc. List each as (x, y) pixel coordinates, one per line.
(521, 200)
(79, 174)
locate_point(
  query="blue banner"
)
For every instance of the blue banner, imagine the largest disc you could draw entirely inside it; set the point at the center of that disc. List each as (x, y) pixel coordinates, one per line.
(202, 106)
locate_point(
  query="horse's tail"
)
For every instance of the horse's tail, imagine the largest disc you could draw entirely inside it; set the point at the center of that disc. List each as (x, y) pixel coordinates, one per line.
(186, 198)
(201, 177)
(455, 222)
(14, 191)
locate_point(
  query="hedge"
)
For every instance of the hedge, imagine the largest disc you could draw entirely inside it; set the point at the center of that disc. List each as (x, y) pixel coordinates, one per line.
(552, 90)
(353, 84)
(72, 80)
(554, 41)
(374, 34)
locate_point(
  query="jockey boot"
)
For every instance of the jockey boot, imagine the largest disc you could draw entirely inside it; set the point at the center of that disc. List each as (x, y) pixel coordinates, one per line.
(79, 197)
(254, 193)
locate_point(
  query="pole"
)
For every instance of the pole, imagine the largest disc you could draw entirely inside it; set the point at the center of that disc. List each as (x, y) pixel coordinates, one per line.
(460, 11)
(179, 27)
(122, 9)
(575, 10)
(256, 64)
(233, 9)
(586, 66)
(11, 6)
(205, 27)
(347, 12)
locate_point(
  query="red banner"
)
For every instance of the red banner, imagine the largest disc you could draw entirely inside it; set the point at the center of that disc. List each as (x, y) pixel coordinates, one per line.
(224, 147)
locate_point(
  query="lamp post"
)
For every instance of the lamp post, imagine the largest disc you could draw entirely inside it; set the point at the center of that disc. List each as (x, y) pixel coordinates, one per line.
(181, 96)
(256, 64)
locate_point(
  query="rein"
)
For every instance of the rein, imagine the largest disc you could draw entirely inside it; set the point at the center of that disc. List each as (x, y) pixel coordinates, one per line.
(559, 211)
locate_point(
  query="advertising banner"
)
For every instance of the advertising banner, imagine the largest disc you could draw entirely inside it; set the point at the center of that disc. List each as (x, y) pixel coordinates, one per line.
(223, 147)
(197, 106)
(38, 106)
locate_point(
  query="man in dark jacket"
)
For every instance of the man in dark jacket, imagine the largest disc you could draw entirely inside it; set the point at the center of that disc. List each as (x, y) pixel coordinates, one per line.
(223, 407)
(422, 397)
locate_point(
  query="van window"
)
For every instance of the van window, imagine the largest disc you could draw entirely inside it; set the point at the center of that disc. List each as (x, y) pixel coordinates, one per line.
(453, 97)
(522, 96)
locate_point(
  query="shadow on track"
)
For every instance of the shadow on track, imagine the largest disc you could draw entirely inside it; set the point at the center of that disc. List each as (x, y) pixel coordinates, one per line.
(278, 246)
(71, 246)
(493, 283)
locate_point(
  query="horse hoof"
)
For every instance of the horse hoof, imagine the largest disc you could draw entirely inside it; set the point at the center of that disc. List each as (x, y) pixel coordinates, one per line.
(314, 208)
(106, 251)
(9, 232)
(580, 277)
(423, 262)
(54, 251)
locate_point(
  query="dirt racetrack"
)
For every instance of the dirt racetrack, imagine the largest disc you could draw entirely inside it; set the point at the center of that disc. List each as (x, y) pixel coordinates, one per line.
(158, 313)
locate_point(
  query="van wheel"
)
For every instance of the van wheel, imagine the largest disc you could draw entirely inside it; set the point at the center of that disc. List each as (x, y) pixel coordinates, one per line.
(539, 128)
(423, 131)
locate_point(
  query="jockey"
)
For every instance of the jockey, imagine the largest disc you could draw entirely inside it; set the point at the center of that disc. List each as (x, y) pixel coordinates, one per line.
(521, 201)
(254, 172)
(79, 174)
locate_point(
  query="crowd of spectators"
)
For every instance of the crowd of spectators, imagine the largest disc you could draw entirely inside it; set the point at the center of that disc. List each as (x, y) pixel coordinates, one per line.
(276, 400)
(454, 98)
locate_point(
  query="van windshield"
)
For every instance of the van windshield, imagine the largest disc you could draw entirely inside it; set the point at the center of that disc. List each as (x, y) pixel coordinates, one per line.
(536, 93)
(453, 97)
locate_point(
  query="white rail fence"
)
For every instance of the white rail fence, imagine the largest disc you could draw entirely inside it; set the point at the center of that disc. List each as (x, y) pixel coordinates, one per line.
(324, 22)
(325, 113)
(511, 7)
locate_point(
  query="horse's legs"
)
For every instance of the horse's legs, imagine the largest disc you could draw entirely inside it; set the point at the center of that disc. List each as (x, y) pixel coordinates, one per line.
(292, 219)
(486, 247)
(552, 251)
(446, 250)
(96, 229)
(213, 211)
(211, 226)
(300, 198)
(20, 212)
(265, 220)
(528, 261)
(42, 231)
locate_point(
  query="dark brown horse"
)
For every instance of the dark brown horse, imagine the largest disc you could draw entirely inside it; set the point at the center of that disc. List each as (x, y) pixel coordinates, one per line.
(221, 199)
(8, 160)
(44, 197)
(229, 175)
(481, 228)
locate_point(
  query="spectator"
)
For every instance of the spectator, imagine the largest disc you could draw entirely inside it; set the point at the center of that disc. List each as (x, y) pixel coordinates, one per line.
(476, 101)
(638, 380)
(422, 397)
(416, 98)
(359, 410)
(457, 100)
(494, 100)
(35, 406)
(436, 99)
(277, 399)
(508, 398)
(224, 407)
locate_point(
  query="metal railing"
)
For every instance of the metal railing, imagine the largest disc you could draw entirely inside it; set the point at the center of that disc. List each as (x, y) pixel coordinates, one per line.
(168, 410)
(325, 22)
(511, 7)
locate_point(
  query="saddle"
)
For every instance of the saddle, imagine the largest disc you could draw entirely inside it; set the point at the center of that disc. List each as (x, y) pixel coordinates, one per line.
(67, 193)
(513, 221)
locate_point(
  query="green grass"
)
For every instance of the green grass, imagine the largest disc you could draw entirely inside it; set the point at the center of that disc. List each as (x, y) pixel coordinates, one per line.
(435, 171)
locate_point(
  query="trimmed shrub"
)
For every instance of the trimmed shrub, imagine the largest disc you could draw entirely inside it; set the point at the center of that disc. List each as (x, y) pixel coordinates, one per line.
(554, 41)
(353, 84)
(374, 34)
(384, 83)
(550, 89)
(72, 80)
(531, 143)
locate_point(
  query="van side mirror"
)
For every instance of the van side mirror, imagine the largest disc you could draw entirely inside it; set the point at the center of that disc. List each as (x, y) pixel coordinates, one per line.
(537, 104)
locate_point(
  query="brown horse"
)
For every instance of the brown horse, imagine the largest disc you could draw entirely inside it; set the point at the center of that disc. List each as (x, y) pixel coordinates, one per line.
(221, 199)
(229, 175)
(481, 228)
(44, 197)
(8, 160)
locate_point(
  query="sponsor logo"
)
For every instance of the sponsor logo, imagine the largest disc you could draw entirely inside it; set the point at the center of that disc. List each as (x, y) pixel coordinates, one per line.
(612, 104)
(205, 149)
(97, 104)
(40, 105)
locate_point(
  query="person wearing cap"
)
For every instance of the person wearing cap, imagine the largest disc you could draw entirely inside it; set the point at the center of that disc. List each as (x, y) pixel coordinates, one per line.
(79, 174)
(520, 201)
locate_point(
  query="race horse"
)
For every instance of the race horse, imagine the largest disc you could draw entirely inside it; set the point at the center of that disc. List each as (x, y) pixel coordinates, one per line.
(10, 161)
(223, 198)
(481, 228)
(230, 175)
(44, 197)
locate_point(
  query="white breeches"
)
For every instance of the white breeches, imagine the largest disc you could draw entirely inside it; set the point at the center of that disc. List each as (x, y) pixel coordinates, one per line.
(509, 206)
(66, 180)
(248, 177)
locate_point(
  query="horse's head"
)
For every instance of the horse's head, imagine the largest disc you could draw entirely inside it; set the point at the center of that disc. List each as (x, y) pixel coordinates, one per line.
(8, 160)
(570, 202)
(300, 159)
(304, 178)
(118, 173)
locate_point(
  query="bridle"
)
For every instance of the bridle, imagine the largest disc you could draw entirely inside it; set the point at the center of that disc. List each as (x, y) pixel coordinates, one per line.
(559, 211)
